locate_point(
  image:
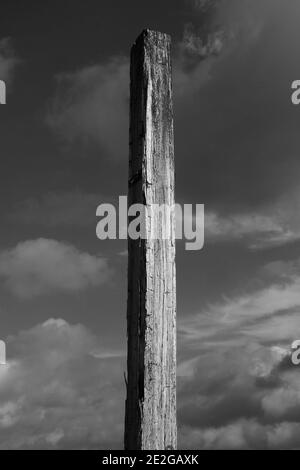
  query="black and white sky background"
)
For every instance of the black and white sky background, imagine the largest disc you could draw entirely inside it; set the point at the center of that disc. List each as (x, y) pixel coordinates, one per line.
(64, 150)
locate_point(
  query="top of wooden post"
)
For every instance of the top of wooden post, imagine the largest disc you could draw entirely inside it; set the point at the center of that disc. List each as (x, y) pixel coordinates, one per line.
(151, 34)
(148, 36)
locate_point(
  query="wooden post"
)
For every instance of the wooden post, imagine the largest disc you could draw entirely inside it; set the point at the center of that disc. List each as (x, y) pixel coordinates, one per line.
(150, 421)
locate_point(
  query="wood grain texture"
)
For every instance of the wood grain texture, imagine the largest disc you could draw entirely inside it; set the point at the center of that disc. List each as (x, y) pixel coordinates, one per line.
(150, 421)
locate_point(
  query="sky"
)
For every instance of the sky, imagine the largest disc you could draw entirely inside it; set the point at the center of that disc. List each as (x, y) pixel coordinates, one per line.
(64, 151)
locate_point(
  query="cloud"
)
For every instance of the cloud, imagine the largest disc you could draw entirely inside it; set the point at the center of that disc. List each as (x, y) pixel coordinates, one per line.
(238, 387)
(237, 20)
(192, 44)
(272, 225)
(62, 390)
(259, 231)
(91, 106)
(41, 266)
(241, 435)
(65, 390)
(55, 393)
(225, 399)
(239, 397)
(218, 28)
(8, 60)
(267, 313)
(244, 435)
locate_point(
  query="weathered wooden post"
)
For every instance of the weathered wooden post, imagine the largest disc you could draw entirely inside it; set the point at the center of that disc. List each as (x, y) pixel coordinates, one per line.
(150, 421)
